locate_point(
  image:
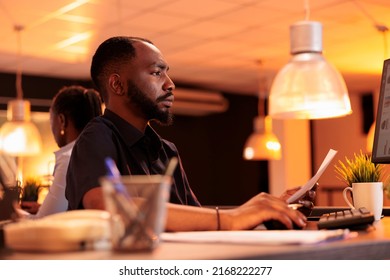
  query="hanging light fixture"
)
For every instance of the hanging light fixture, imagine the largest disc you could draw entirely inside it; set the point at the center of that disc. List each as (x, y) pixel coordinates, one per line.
(308, 87)
(18, 135)
(262, 144)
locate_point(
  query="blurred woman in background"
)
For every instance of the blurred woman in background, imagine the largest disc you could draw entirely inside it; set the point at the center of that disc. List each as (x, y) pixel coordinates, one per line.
(72, 108)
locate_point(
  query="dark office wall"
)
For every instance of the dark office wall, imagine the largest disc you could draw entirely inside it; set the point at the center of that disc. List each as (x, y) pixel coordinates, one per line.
(210, 147)
(35, 87)
(211, 150)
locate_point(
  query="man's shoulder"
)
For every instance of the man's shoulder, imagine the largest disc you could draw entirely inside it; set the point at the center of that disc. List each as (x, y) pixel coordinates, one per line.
(99, 125)
(97, 130)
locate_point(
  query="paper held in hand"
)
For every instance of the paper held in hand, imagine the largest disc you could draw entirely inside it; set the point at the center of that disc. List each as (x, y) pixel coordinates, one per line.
(301, 192)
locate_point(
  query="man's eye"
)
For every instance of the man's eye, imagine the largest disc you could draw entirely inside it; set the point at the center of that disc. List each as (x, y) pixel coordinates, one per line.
(157, 73)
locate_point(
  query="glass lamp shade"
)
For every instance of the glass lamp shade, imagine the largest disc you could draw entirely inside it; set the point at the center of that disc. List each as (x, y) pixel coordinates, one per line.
(19, 136)
(262, 144)
(308, 87)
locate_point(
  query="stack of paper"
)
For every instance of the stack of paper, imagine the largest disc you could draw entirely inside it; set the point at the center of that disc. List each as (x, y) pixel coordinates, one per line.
(274, 237)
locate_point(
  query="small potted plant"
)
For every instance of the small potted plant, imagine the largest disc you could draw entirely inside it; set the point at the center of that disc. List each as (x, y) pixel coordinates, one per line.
(30, 190)
(360, 169)
(364, 179)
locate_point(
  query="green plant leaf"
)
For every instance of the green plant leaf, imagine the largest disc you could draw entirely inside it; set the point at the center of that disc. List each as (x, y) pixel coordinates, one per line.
(359, 169)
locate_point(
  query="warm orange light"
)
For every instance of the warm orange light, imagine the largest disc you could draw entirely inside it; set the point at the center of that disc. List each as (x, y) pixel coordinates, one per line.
(308, 87)
(262, 144)
(19, 136)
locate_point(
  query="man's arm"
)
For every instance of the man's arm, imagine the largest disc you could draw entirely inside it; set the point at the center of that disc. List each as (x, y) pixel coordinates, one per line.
(260, 208)
(93, 199)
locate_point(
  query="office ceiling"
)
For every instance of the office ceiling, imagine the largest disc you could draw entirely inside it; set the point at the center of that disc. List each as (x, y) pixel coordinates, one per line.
(213, 44)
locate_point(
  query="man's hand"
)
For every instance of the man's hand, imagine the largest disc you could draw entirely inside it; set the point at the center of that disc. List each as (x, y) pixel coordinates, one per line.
(307, 201)
(261, 208)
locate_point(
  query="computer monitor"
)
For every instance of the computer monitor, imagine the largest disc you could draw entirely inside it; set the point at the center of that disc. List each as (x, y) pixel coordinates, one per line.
(381, 146)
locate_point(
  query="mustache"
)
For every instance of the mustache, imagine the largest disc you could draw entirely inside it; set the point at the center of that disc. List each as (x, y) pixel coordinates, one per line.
(165, 96)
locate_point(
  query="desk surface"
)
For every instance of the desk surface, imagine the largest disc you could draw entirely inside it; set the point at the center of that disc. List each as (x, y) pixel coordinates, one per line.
(371, 244)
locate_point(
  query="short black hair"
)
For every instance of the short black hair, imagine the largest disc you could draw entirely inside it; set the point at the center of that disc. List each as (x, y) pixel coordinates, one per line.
(77, 104)
(109, 56)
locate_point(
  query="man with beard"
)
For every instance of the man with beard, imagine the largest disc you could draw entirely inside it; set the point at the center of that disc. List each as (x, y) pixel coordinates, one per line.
(132, 76)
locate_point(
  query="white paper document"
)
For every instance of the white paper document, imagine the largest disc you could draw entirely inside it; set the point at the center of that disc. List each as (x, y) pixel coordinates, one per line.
(314, 179)
(274, 237)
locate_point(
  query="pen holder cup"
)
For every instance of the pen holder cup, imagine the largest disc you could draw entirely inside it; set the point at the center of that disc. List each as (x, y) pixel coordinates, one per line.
(137, 205)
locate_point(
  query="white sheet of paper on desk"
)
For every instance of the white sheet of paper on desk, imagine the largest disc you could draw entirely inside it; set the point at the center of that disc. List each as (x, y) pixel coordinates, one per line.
(274, 237)
(314, 179)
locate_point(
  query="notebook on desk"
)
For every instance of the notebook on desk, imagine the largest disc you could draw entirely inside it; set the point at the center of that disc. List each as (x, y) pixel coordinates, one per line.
(264, 237)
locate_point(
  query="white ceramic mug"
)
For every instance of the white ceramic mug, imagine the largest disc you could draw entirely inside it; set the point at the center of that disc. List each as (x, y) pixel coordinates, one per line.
(368, 195)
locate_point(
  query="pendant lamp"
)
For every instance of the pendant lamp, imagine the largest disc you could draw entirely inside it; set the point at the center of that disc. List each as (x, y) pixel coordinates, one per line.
(18, 135)
(308, 87)
(262, 144)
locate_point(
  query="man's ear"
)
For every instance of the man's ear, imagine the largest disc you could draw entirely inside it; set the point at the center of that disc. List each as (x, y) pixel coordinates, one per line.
(115, 84)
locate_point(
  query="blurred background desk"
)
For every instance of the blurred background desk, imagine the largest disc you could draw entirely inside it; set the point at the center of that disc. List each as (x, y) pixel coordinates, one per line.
(371, 244)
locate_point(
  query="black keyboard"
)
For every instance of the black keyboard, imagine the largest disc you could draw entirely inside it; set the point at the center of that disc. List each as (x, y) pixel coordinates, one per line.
(351, 218)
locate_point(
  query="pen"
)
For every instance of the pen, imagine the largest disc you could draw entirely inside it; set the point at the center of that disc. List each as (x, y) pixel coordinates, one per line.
(115, 176)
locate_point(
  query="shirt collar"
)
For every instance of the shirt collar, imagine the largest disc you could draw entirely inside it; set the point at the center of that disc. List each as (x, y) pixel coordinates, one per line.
(132, 134)
(67, 149)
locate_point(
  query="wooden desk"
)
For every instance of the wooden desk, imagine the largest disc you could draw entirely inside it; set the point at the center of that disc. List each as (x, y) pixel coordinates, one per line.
(371, 244)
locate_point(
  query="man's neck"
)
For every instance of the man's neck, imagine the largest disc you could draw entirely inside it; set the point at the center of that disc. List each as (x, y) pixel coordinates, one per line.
(131, 118)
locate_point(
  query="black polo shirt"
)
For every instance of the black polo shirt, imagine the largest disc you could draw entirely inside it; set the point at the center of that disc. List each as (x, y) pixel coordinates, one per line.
(134, 153)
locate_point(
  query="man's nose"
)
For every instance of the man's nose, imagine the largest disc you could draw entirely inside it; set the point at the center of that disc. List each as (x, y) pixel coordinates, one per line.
(169, 84)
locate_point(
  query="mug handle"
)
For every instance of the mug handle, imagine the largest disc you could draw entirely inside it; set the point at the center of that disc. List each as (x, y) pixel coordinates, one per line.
(347, 189)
